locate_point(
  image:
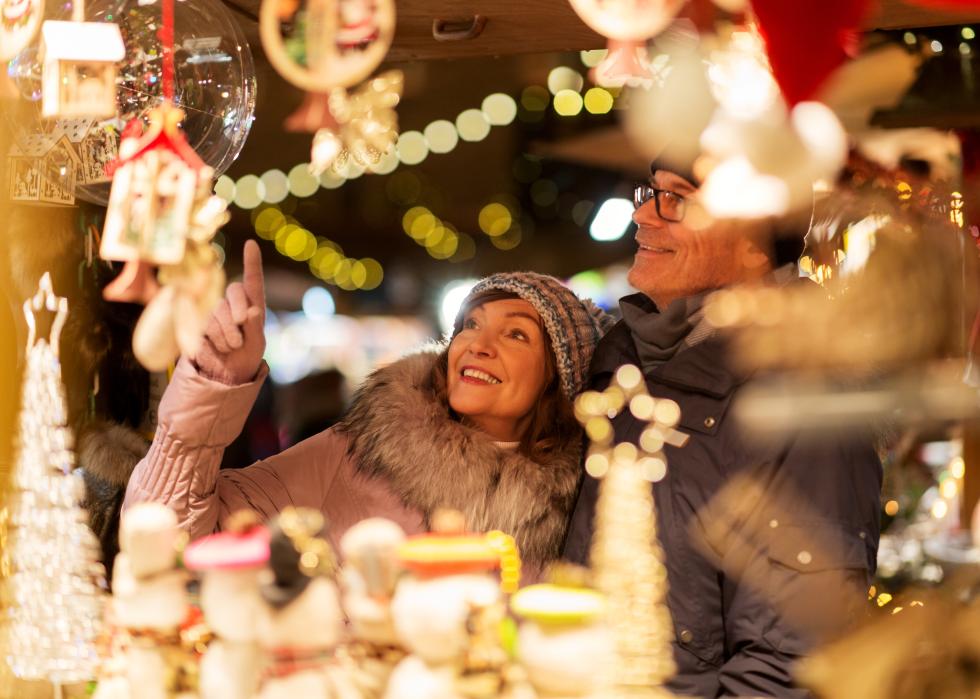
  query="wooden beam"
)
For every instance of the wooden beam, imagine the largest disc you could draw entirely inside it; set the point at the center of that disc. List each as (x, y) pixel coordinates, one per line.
(899, 14)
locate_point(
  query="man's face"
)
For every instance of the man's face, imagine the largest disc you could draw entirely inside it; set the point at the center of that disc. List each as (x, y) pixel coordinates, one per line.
(674, 261)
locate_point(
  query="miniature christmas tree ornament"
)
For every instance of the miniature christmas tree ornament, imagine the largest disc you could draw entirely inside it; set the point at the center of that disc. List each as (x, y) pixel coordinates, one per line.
(49, 558)
(79, 74)
(326, 47)
(626, 557)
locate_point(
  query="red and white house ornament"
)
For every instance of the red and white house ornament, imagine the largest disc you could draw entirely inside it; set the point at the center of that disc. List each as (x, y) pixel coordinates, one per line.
(325, 47)
(79, 75)
(628, 24)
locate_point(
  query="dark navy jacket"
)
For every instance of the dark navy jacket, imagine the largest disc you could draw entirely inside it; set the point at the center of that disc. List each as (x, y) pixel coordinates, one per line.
(770, 547)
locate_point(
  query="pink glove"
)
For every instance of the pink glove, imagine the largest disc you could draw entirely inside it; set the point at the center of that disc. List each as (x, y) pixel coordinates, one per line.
(235, 337)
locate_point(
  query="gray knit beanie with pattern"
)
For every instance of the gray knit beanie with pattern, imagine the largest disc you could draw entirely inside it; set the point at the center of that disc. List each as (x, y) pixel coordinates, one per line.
(573, 324)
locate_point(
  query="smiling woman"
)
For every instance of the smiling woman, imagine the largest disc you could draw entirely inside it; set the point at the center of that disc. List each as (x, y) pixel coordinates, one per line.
(483, 425)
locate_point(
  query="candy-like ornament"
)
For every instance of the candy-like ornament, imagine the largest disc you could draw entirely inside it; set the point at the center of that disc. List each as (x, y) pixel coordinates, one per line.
(302, 622)
(564, 644)
(628, 24)
(149, 600)
(447, 612)
(230, 563)
(368, 578)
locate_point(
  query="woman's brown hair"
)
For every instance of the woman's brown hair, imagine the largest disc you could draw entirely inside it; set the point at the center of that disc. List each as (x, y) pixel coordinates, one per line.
(553, 426)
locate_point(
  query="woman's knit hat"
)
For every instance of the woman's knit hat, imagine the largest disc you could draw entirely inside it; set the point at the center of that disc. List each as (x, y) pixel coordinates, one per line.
(573, 324)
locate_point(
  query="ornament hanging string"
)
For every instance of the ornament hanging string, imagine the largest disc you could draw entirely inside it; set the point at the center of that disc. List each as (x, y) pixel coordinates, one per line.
(167, 40)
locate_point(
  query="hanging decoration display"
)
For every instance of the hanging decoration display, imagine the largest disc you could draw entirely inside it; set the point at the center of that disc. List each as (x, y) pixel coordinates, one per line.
(325, 47)
(628, 24)
(19, 23)
(626, 557)
(825, 33)
(79, 76)
(49, 557)
(162, 213)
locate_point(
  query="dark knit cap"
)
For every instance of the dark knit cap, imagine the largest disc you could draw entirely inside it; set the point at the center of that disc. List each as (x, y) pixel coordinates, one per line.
(574, 325)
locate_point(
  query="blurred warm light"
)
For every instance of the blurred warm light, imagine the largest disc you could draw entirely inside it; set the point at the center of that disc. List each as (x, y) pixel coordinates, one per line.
(909, 38)
(495, 219)
(276, 186)
(590, 59)
(446, 247)
(499, 109)
(904, 190)
(408, 220)
(936, 46)
(249, 191)
(735, 189)
(441, 136)
(423, 227)
(509, 240)
(373, 274)
(965, 49)
(268, 222)
(350, 169)
(331, 180)
(598, 100)
(472, 125)
(740, 77)
(535, 98)
(883, 599)
(565, 78)
(891, 508)
(968, 33)
(358, 274)
(412, 148)
(587, 285)
(957, 467)
(948, 488)
(939, 509)
(318, 303)
(224, 187)
(612, 220)
(387, 164)
(452, 298)
(302, 182)
(465, 248)
(568, 102)
(581, 212)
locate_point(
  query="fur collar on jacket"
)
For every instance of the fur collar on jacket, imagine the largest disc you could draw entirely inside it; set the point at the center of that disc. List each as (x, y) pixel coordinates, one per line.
(399, 431)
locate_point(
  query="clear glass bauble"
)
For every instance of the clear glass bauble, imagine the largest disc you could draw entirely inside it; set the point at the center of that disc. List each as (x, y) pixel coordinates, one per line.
(214, 79)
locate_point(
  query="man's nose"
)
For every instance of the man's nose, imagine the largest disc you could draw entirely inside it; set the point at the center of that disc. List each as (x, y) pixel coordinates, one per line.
(647, 215)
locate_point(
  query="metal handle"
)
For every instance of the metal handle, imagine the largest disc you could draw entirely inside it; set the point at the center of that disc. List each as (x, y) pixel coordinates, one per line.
(458, 28)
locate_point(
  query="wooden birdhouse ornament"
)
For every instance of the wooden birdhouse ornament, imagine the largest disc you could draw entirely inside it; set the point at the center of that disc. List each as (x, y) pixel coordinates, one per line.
(79, 75)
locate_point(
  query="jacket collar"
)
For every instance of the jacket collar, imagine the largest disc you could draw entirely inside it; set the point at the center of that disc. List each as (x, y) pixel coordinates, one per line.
(702, 368)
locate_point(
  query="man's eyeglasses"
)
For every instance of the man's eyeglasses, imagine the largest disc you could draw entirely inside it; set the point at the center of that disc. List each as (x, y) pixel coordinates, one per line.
(671, 206)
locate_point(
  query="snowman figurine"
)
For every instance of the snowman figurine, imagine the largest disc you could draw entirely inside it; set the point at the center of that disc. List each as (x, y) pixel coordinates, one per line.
(230, 563)
(447, 612)
(302, 622)
(150, 602)
(563, 642)
(368, 578)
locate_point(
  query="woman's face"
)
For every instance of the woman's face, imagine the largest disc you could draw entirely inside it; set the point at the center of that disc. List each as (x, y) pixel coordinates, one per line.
(497, 367)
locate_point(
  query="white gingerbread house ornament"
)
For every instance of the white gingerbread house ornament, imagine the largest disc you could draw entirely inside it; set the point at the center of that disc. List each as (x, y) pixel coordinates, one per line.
(80, 68)
(43, 169)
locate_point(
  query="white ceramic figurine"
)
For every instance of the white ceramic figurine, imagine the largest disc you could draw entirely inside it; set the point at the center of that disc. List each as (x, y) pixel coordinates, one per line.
(230, 563)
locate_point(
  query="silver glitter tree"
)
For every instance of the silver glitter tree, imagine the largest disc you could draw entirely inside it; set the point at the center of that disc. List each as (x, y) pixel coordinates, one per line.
(52, 578)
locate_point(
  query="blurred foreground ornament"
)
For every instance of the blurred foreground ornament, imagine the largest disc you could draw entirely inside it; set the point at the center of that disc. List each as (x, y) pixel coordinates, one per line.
(80, 57)
(628, 24)
(325, 47)
(53, 581)
(926, 647)
(626, 557)
(807, 40)
(19, 23)
(161, 212)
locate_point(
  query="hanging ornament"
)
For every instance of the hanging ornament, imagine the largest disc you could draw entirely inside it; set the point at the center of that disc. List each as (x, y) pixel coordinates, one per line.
(49, 558)
(330, 46)
(162, 213)
(80, 57)
(628, 24)
(808, 39)
(19, 22)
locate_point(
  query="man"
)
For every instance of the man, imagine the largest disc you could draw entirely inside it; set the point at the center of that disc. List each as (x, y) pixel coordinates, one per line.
(769, 548)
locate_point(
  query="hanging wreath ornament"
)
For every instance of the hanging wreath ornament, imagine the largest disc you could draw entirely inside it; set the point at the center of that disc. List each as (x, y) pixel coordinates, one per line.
(325, 47)
(20, 21)
(628, 24)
